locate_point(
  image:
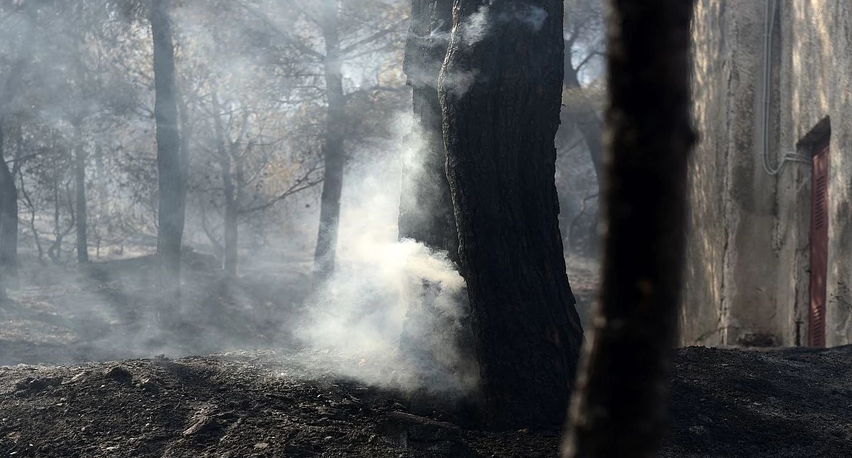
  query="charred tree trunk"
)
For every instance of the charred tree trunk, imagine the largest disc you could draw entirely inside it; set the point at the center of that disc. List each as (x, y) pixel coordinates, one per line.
(80, 187)
(169, 163)
(332, 149)
(426, 206)
(620, 406)
(499, 131)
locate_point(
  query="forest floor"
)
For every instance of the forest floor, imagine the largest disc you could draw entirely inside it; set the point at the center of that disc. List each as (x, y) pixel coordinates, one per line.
(257, 396)
(726, 403)
(62, 316)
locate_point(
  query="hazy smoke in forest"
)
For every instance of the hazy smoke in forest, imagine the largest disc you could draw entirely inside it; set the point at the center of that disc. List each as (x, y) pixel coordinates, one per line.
(360, 311)
(94, 73)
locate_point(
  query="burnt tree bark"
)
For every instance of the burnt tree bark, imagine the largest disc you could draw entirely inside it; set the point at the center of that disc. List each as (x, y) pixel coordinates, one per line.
(169, 162)
(426, 206)
(619, 408)
(332, 148)
(500, 91)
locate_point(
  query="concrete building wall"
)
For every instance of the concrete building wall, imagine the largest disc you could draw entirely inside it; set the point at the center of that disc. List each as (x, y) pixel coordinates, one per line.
(701, 313)
(748, 249)
(819, 59)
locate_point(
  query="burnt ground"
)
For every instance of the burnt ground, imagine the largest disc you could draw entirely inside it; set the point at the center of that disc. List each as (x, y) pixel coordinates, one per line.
(292, 402)
(726, 403)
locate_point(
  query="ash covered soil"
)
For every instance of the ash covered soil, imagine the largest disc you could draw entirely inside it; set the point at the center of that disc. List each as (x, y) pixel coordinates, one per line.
(726, 403)
(288, 402)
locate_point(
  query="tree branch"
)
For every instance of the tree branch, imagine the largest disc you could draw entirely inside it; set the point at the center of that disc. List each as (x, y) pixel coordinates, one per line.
(373, 37)
(287, 37)
(587, 59)
(299, 186)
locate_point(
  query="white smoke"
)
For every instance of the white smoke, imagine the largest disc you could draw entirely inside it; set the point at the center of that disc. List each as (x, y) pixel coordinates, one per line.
(361, 309)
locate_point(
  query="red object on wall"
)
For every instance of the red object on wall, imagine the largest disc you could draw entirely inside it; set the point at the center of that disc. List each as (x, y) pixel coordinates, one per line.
(819, 247)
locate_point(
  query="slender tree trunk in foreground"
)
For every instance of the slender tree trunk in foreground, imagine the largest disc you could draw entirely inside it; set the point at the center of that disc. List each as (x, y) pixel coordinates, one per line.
(426, 206)
(500, 92)
(619, 407)
(332, 150)
(169, 163)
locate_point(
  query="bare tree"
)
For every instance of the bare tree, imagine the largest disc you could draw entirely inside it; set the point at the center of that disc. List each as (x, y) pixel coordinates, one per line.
(246, 183)
(583, 24)
(332, 148)
(619, 406)
(347, 31)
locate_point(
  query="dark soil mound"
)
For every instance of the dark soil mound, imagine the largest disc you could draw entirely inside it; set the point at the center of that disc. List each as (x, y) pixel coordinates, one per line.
(726, 403)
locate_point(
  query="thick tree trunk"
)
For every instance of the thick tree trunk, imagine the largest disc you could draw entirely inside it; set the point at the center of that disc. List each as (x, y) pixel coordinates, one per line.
(620, 406)
(500, 92)
(169, 163)
(426, 206)
(80, 187)
(332, 149)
